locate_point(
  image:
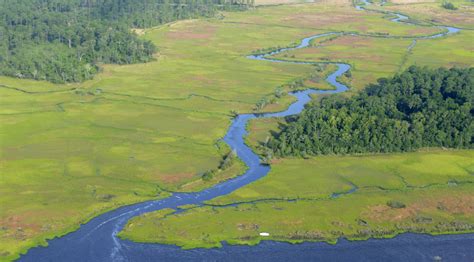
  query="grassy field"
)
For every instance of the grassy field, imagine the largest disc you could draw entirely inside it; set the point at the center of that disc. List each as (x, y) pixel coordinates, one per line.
(70, 152)
(384, 195)
(260, 130)
(338, 16)
(323, 176)
(373, 56)
(456, 50)
(370, 58)
(433, 12)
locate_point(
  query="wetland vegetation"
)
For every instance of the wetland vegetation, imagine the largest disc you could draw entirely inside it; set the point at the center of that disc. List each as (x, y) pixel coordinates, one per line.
(301, 200)
(136, 132)
(382, 195)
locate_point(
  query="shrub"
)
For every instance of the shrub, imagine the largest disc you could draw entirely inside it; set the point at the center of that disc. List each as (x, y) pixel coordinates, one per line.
(395, 204)
(105, 197)
(208, 175)
(449, 6)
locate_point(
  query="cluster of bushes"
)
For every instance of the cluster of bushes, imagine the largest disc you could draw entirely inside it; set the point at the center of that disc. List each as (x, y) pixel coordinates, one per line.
(420, 107)
(226, 162)
(269, 99)
(449, 6)
(263, 51)
(395, 204)
(317, 42)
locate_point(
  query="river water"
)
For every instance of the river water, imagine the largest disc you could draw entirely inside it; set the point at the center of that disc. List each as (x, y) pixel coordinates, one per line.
(97, 240)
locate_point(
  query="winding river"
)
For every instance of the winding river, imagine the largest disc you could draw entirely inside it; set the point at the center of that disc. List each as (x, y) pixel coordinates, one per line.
(97, 240)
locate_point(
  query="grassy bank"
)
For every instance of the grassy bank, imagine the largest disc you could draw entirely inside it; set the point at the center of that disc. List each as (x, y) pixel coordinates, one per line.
(384, 195)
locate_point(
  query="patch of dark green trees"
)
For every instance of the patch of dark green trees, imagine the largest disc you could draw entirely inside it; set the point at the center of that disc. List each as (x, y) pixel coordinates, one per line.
(417, 108)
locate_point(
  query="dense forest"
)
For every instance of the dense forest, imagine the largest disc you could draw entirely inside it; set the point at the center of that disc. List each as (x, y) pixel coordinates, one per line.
(65, 40)
(418, 108)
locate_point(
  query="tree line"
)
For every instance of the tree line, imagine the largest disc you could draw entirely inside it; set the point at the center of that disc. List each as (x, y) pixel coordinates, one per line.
(65, 40)
(417, 108)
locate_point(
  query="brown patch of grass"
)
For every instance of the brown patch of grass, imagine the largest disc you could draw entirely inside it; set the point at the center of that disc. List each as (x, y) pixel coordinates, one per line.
(322, 21)
(193, 33)
(417, 31)
(463, 205)
(175, 178)
(21, 227)
(464, 16)
(459, 205)
(354, 41)
(362, 27)
(386, 213)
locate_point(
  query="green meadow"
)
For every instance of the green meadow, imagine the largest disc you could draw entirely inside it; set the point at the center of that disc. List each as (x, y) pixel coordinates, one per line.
(370, 57)
(432, 12)
(323, 176)
(380, 195)
(455, 50)
(135, 132)
(374, 57)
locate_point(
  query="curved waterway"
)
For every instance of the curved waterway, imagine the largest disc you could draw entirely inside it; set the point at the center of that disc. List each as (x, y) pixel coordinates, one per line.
(97, 240)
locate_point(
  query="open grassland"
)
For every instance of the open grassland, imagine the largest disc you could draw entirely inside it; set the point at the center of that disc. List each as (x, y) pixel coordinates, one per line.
(433, 12)
(337, 16)
(323, 176)
(301, 200)
(456, 50)
(261, 130)
(370, 57)
(375, 56)
(70, 152)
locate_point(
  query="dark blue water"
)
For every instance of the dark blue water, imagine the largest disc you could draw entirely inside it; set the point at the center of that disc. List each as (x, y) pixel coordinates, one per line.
(97, 240)
(406, 247)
